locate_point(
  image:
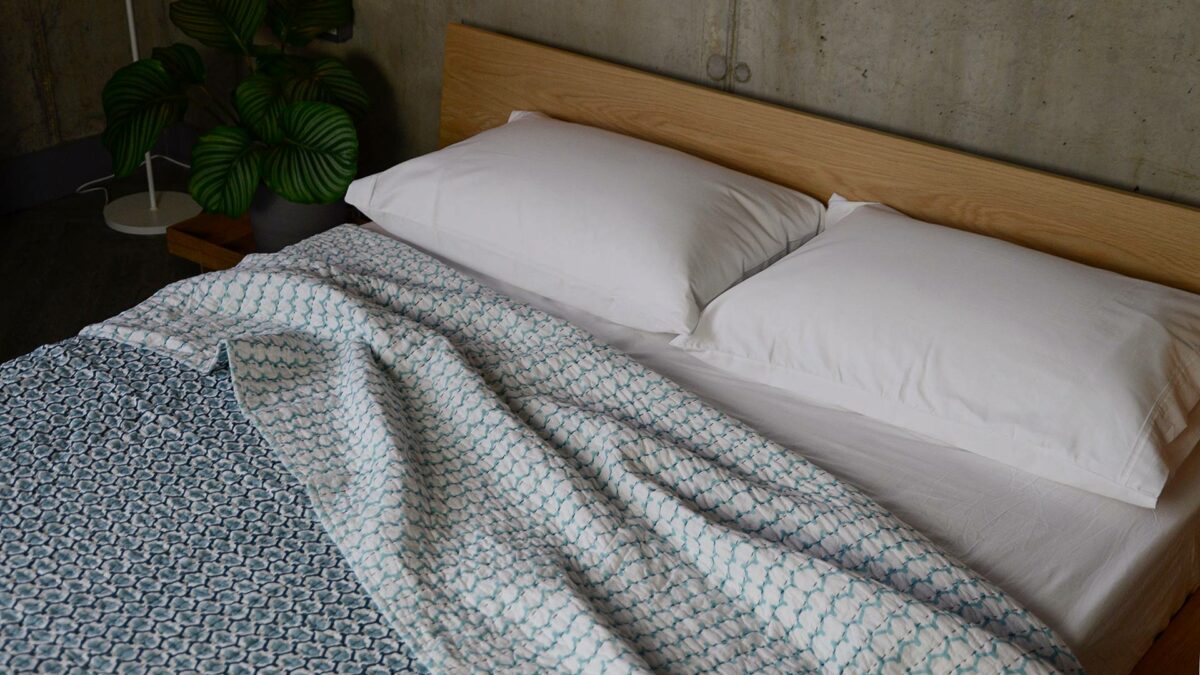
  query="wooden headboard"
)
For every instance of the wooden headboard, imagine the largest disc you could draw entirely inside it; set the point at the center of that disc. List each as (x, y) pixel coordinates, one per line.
(488, 75)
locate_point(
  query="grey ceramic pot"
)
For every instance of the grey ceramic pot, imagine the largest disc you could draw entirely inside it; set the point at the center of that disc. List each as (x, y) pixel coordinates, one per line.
(278, 223)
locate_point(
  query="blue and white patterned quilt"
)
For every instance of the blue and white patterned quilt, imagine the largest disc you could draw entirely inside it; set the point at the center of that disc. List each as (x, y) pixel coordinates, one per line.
(515, 497)
(146, 528)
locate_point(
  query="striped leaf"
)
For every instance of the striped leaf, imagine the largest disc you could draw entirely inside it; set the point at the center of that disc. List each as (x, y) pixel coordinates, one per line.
(318, 156)
(140, 101)
(222, 24)
(226, 170)
(324, 79)
(182, 62)
(259, 101)
(328, 80)
(297, 22)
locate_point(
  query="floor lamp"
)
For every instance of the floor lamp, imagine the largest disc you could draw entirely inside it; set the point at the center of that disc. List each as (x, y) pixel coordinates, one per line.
(147, 212)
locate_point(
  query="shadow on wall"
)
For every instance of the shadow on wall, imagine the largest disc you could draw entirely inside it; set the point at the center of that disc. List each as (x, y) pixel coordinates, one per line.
(379, 134)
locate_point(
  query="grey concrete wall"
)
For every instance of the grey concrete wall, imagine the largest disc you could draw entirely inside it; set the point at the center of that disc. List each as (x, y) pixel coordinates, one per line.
(55, 57)
(1107, 90)
(397, 48)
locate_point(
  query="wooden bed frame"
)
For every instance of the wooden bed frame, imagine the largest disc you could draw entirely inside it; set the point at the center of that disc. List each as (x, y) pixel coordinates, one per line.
(487, 75)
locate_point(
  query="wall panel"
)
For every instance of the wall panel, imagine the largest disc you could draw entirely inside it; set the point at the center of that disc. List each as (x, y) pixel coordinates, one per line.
(397, 45)
(54, 61)
(1107, 90)
(30, 120)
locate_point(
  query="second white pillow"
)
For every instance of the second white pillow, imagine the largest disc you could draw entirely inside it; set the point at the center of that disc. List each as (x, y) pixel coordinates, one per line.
(1073, 373)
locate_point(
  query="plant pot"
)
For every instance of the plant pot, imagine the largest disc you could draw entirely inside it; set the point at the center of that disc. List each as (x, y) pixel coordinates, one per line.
(278, 223)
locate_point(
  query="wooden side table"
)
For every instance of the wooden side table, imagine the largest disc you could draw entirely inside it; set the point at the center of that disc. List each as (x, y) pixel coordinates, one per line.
(213, 241)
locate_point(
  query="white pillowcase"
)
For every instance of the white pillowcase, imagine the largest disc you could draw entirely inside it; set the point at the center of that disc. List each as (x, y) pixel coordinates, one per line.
(628, 230)
(1073, 373)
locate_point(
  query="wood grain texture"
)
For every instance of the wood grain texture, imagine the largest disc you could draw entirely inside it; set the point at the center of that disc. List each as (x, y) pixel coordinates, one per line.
(1177, 650)
(487, 75)
(213, 241)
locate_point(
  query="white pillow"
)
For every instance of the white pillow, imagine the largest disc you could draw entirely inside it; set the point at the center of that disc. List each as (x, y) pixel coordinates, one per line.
(631, 231)
(1072, 373)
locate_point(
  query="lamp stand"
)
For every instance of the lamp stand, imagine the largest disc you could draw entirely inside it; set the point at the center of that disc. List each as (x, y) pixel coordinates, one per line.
(149, 212)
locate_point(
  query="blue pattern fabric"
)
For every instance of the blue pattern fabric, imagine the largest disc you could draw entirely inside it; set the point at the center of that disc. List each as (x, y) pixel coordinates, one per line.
(516, 497)
(146, 528)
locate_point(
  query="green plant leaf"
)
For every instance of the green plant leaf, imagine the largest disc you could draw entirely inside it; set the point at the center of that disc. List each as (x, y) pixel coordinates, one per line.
(226, 170)
(329, 80)
(323, 79)
(140, 101)
(182, 62)
(297, 22)
(318, 156)
(281, 80)
(259, 101)
(222, 24)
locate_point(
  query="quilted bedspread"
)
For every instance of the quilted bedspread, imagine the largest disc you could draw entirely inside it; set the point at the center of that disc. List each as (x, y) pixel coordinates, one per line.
(146, 528)
(514, 496)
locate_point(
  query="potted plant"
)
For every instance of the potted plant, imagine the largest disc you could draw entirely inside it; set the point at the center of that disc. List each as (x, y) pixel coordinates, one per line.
(283, 147)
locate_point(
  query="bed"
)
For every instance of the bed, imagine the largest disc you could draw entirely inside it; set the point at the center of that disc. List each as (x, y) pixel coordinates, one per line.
(165, 518)
(488, 75)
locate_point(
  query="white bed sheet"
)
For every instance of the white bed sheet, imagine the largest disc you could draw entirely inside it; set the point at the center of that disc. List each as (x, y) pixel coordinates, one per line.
(1106, 575)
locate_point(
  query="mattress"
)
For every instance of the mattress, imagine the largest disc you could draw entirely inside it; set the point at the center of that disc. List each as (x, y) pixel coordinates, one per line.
(1107, 576)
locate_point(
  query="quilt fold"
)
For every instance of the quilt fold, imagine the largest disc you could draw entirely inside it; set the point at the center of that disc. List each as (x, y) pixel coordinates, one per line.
(516, 497)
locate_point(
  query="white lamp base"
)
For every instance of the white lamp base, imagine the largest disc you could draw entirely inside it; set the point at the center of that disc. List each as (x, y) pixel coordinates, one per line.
(132, 215)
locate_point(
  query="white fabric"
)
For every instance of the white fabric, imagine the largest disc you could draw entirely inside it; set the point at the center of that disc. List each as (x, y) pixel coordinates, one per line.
(635, 232)
(1105, 575)
(1070, 372)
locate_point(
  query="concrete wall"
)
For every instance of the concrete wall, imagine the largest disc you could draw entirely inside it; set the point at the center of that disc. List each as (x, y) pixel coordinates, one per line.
(397, 48)
(1107, 90)
(55, 57)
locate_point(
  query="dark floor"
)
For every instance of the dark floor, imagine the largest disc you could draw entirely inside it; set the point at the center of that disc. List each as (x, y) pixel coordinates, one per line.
(62, 268)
